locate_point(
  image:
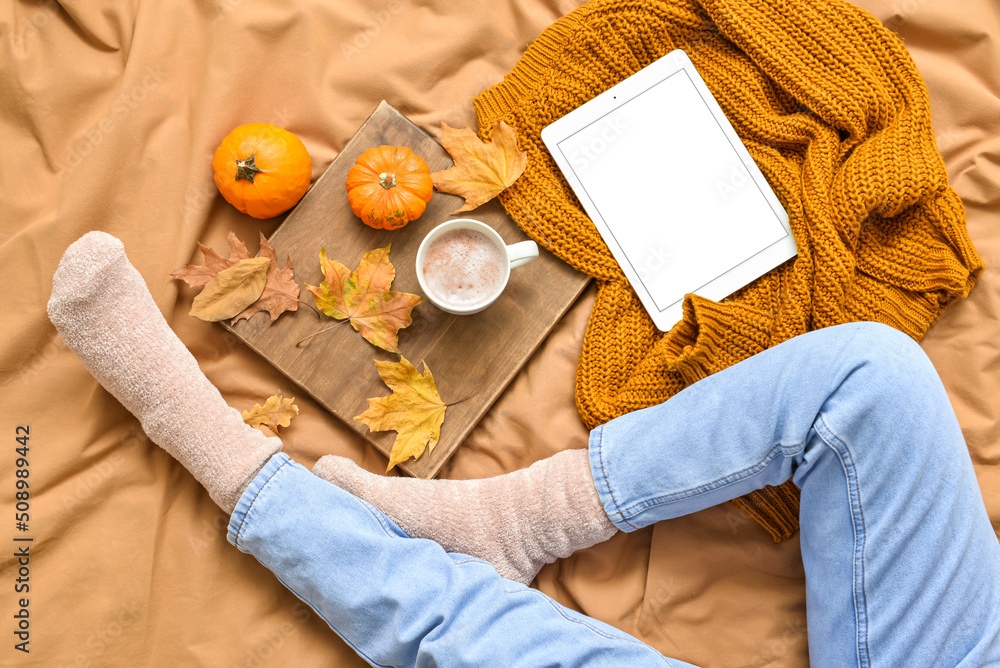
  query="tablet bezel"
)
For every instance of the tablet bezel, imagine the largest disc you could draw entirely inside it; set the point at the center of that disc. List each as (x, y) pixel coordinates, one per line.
(723, 284)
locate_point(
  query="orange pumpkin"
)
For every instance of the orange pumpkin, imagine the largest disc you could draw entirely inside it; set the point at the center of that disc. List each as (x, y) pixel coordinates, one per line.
(389, 186)
(261, 169)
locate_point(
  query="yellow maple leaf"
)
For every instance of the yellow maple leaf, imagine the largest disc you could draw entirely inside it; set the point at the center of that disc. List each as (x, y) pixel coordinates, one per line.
(364, 297)
(414, 410)
(481, 171)
(277, 411)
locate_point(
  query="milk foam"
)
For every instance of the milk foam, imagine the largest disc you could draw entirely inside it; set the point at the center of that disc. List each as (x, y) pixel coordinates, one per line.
(463, 268)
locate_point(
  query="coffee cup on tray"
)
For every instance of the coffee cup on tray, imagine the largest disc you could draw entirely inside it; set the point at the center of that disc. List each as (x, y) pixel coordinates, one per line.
(463, 265)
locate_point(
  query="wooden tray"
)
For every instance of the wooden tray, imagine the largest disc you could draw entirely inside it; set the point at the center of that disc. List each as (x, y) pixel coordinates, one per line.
(336, 367)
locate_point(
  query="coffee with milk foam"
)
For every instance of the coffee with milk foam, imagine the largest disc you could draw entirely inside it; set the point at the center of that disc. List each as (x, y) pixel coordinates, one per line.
(463, 268)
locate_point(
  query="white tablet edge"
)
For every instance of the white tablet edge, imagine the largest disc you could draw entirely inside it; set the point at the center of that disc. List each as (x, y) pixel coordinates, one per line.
(722, 285)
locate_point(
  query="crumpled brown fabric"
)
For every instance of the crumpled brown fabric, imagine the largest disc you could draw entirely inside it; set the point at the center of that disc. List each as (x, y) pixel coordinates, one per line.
(110, 113)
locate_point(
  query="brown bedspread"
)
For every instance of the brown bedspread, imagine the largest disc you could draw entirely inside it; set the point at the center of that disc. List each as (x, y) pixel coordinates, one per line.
(109, 113)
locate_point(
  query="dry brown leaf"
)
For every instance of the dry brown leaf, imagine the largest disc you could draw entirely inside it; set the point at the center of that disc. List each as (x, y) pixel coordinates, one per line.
(277, 411)
(198, 275)
(414, 410)
(231, 290)
(481, 171)
(280, 294)
(363, 295)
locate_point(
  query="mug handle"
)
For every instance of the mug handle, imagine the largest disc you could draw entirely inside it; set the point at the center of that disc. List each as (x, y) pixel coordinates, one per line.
(522, 253)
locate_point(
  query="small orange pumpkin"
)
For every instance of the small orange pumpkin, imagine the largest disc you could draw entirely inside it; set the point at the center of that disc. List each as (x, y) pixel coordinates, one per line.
(261, 169)
(389, 186)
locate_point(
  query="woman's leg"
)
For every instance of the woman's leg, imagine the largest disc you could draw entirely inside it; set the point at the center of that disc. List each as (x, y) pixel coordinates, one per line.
(104, 313)
(397, 600)
(401, 601)
(902, 564)
(901, 560)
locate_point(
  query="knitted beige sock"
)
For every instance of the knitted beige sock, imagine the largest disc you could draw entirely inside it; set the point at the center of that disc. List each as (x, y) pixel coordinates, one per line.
(105, 314)
(518, 522)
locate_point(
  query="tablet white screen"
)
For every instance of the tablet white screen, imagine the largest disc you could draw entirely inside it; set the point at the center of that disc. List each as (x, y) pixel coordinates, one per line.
(670, 189)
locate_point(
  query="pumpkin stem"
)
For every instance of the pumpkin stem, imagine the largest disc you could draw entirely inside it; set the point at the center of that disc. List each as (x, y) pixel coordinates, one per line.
(246, 169)
(383, 180)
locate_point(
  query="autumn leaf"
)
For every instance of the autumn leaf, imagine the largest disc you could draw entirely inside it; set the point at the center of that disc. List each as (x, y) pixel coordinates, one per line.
(414, 410)
(277, 411)
(198, 275)
(281, 292)
(231, 290)
(481, 171)
(364, 297)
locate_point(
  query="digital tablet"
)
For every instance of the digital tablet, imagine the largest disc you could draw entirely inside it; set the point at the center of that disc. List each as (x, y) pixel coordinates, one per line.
(673, 191)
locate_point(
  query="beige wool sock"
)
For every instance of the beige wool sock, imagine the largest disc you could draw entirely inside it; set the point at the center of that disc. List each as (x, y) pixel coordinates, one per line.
(104, 313)
(518, 522)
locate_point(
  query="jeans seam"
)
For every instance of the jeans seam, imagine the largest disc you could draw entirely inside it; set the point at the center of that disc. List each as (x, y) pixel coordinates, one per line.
(646, 504)
(319, 614)
(381, 518)
(470, 560)
(858, 519)
(604, 476)
(606, 636)
(246, 513)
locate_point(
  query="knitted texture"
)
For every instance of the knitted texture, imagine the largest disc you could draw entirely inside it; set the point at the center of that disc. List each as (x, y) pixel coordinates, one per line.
(518, 522)
(104, 313)
(835, 114)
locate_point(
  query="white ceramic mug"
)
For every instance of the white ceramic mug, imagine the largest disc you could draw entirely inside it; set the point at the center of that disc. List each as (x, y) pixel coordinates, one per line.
(515, 255)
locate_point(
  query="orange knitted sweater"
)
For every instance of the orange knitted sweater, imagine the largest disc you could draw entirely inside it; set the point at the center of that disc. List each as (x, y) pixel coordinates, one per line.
(833, 110)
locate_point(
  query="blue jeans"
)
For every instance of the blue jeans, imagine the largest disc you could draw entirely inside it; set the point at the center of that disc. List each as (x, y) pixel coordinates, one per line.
(902, 564)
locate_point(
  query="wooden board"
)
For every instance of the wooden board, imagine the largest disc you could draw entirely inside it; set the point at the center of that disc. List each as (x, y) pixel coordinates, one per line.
(336, 367)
